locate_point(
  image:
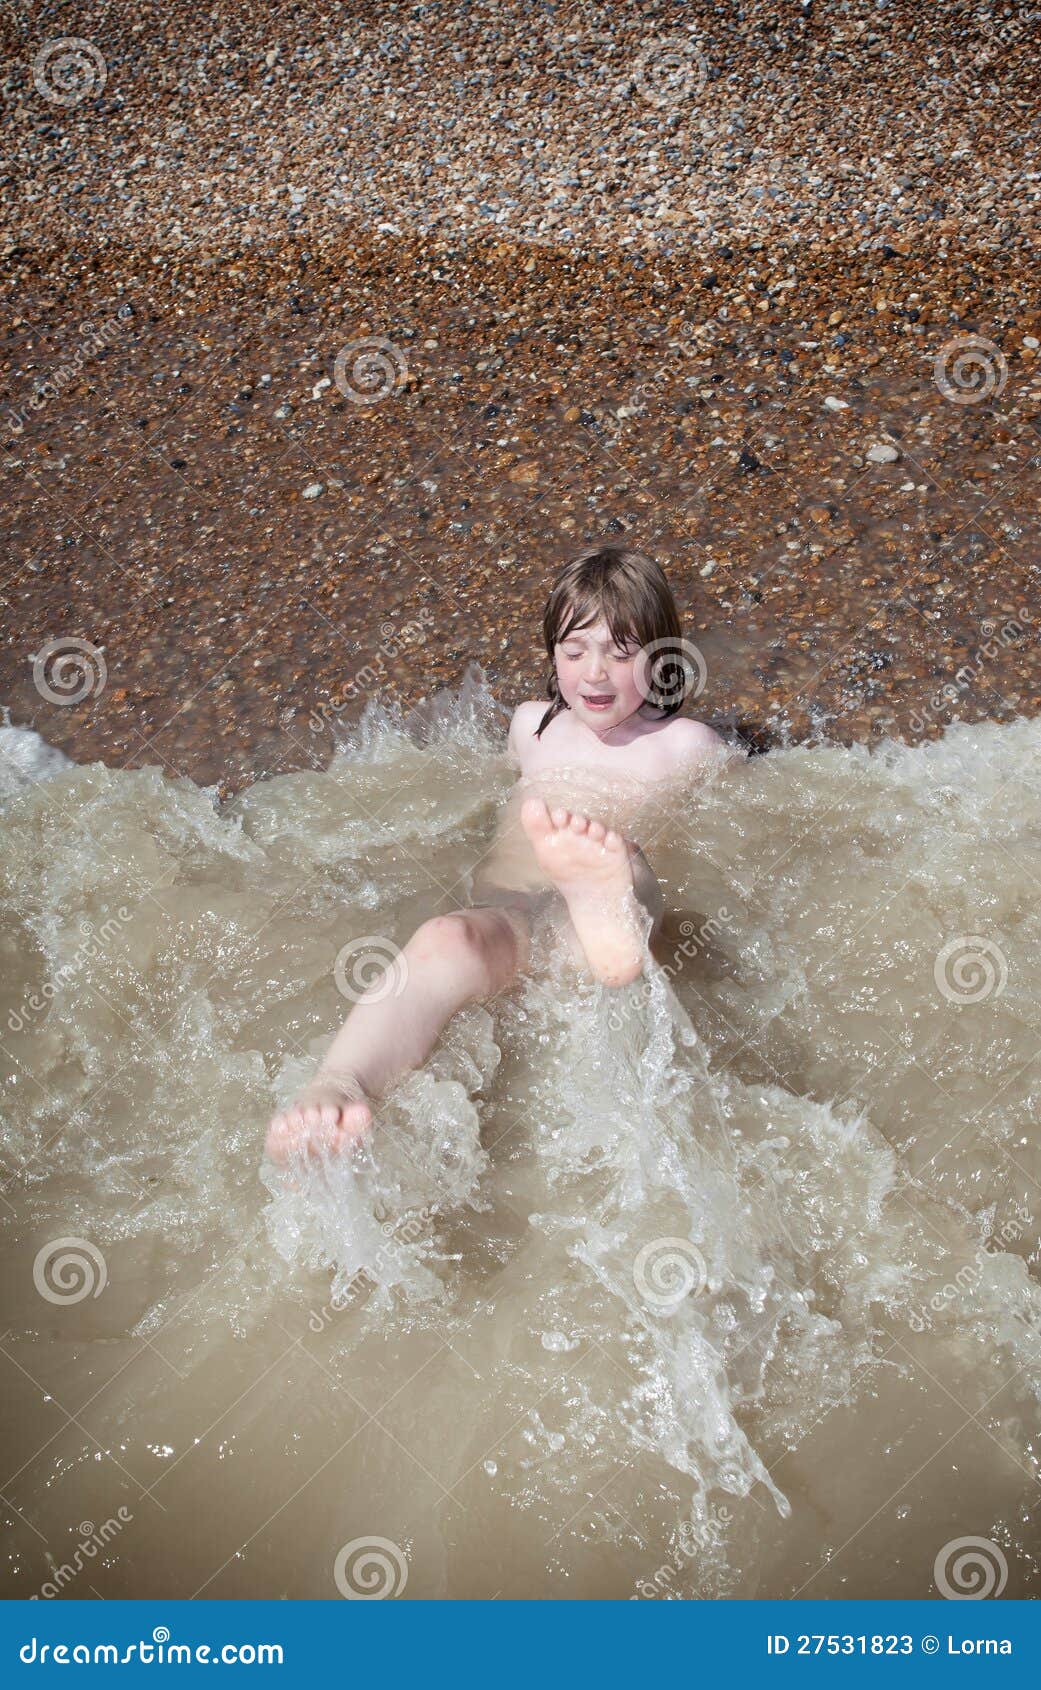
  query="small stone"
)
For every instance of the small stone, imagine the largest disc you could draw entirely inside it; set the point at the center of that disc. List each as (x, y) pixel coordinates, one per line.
(881, 453)
(1031, 342)
(832, 404)
(315, 490)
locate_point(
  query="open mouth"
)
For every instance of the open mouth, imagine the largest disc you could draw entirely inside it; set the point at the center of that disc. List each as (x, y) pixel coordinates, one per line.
(598, 700)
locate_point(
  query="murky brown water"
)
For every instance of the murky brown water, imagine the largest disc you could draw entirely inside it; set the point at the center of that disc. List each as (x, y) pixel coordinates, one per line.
(720, 1285)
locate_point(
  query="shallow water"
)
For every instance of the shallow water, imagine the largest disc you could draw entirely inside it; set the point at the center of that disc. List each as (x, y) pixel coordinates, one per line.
(723, 1284)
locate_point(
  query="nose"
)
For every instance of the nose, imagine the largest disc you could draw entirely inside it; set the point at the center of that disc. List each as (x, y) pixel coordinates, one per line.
(596, 668)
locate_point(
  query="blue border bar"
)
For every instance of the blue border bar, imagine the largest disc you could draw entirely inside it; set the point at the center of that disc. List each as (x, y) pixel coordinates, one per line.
(672, 1645)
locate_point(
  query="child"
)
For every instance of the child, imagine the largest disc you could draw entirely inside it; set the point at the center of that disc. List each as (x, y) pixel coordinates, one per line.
(606, 738)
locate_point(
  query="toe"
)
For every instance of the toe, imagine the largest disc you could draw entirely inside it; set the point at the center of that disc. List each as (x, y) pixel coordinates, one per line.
(278, 1140)
(560, 818)
(535, 816)
(579, 824)
(355, 1121)
(597, 832)
(330, 1115)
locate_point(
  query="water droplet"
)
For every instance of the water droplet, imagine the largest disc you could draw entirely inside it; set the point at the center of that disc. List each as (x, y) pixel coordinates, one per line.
(558, 1341)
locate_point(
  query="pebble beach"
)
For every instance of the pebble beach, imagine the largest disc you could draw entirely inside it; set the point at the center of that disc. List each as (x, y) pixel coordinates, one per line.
(326, 340)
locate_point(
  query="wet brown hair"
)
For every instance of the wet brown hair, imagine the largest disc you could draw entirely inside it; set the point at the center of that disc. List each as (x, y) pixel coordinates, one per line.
(629, 590)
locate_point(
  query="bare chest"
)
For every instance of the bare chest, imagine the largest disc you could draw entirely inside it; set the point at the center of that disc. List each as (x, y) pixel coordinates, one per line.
(564, 745)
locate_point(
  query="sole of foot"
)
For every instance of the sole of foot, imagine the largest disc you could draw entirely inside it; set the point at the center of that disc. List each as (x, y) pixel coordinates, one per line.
(325, 1117)
(589, 864)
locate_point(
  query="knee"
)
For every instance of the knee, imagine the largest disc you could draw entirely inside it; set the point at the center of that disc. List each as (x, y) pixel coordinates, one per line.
(624, 973)
(468, 948)
(448, 938)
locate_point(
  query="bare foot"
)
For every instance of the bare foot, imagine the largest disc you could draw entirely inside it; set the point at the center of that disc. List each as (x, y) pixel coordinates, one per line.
(590, 865)
(331, 1113)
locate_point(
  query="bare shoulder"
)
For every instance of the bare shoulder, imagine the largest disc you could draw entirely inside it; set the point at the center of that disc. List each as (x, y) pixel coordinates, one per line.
(524, 721)
(691, 741)
(527, 716)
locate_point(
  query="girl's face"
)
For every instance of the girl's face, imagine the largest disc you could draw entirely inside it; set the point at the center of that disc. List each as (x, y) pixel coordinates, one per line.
(597, 677)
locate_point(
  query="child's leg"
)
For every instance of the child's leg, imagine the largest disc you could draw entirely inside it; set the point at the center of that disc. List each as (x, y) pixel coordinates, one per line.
(450, 961)
(601, 880)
